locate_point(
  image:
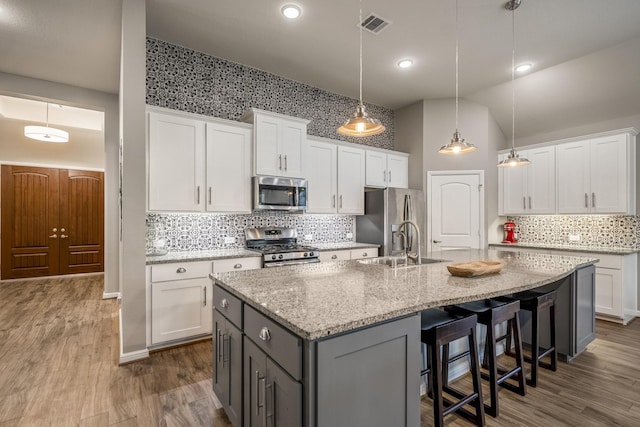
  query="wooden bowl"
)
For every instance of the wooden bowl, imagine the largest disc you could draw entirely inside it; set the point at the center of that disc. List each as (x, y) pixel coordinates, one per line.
(475, 268)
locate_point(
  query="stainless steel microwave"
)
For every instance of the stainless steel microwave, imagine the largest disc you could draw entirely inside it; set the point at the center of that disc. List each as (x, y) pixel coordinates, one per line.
(278, 193)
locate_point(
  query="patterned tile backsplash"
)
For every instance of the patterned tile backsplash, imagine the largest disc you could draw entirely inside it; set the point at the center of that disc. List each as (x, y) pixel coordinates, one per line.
(187, 80)
(594, 230)
(191, 232)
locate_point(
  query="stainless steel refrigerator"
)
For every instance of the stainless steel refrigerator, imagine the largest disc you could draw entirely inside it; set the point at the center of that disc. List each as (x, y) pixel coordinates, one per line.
(385, 208)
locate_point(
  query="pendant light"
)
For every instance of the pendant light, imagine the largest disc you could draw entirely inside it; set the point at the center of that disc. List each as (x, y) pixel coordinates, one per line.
(457, 144)
(360, 124)
(45, 133)
(513, 159)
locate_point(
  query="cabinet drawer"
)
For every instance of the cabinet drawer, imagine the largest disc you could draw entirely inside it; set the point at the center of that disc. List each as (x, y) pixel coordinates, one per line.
(228, 305)
(364, 253)
(180, 270)
(328, 256)
(280, 344)
(236, 264)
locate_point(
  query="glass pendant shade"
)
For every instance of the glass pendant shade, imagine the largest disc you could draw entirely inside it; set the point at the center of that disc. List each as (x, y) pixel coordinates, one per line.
(360, 124)
(513, 160)
(457, 146)
(45, 133)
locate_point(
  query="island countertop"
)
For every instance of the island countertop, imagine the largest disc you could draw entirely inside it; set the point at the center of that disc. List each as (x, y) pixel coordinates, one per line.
(320, 300)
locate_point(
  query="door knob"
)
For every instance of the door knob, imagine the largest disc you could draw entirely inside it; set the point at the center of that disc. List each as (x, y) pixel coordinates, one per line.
(54, 236)
(63, 236)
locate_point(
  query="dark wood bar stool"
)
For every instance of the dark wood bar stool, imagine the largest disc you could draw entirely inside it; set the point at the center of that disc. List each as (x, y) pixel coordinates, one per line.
(492, 312)
(440, 328)
(535, 302)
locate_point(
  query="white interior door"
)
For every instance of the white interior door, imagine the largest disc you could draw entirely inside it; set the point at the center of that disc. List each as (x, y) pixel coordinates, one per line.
(455, 210)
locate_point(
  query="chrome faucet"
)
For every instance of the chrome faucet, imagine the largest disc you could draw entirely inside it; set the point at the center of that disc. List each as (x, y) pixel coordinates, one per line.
(417, 258)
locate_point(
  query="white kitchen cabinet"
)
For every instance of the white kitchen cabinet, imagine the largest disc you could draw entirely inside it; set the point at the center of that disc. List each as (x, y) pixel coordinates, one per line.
(181, 301)
(198, 165)
(338, 255)
(228, 168)
(364, 253)
(597, 175)
(529, 189)
(386, 169)
(176, 163)
(279, 143)
(236, 264)
(336, 178)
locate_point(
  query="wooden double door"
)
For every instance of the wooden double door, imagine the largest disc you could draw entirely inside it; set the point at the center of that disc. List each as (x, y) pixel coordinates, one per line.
(52, 221)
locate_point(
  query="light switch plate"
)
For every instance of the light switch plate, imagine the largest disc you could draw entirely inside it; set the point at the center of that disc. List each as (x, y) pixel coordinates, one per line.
(574, 237)
(308, 236)
(349, 235)
(228, 240)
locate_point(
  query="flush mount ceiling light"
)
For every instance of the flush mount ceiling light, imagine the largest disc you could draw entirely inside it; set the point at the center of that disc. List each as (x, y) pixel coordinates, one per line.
(457, 144)
(291, 11)
(513, 159)
(523, 67)
(360, 124)
(45, 133)
(405, 63)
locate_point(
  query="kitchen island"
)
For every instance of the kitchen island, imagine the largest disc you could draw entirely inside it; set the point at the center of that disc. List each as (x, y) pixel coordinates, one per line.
(334, 344)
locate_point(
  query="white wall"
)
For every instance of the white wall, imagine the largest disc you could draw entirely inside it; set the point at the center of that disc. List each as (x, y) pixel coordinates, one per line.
(408, 138)
(14, 85)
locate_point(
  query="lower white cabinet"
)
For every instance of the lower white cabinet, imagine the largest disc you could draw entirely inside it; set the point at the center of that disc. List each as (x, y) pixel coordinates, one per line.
(236, 264)
(348, 254)
(364, 253)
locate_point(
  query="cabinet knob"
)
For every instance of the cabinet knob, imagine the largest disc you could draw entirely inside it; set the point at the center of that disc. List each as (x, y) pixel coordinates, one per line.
(238, 265)
(334, 256)
(224, 303)
(265, 334)
(365, 254)
(181, 270)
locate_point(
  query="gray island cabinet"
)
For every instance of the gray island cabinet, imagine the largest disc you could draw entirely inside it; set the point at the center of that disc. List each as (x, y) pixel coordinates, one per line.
(338, 344)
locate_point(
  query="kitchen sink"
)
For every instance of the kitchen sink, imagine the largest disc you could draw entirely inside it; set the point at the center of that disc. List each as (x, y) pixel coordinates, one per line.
(398, 261)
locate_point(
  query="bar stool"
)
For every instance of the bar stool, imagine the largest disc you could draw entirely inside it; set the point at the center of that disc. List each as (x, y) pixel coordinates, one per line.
(440, 328)
(535, 302)
(492, 312)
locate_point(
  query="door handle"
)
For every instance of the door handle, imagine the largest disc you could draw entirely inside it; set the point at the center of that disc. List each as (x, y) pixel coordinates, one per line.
(586, 200)
(198, 195)
(219, 346)
(54, 236)
(437, 241)
(225, 348)
(593, 200)
(333, 203)
(524, 202)
(285, 162)
(258, 379)
(529, 202)
(384, 176)
(209, 195)
(204, 303)
(280, 162)
(389, 176)
(341, 201)
(63, 236)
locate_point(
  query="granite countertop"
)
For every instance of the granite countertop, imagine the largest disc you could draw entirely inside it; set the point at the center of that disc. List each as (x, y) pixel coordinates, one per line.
(612, 250)
(343, 245)
(202, 255)
(319, 300)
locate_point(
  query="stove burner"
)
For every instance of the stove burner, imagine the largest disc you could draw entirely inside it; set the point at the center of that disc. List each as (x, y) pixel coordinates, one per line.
(280, 250)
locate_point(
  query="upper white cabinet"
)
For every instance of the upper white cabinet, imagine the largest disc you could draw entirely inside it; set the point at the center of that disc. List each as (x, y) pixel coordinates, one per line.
(530, 189)
(386, 169)
(176, 163)
(198, 165)
(597, 175)
(279, 143)
(336, 178)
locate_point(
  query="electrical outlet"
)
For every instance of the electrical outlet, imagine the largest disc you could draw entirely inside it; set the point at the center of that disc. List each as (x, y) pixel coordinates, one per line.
(349, 235)
(308, 237)
(229, 240)
(574, 237)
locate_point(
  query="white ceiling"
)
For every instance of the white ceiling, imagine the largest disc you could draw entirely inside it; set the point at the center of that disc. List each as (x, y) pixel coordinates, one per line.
(586, 52)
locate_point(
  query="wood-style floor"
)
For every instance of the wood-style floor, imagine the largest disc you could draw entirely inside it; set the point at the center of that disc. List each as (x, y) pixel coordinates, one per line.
(58, 366)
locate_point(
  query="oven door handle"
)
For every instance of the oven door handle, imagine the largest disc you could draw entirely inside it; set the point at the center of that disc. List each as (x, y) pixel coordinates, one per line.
(294, 262)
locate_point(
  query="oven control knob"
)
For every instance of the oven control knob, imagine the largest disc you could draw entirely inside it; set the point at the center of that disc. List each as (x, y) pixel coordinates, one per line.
(310, 253)
(273, 257)
(305, 254)
(280, 256)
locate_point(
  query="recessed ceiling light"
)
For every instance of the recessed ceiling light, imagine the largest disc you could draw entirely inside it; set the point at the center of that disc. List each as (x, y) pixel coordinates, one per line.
(291, 11)
(523, 67)
(405, 63)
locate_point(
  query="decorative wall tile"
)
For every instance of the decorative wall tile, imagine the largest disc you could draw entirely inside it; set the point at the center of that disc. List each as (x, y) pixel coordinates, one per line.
(187, 80)
(194, 232)
(594, 230)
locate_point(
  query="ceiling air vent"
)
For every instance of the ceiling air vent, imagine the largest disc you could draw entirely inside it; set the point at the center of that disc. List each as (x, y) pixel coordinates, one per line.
(374, 23)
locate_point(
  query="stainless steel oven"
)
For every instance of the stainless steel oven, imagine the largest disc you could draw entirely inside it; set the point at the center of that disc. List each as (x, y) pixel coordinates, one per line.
(278, 193)
(279, 246)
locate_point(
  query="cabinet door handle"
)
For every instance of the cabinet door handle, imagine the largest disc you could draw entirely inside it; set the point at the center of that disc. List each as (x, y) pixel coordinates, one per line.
(258, 405)
(204, 303)
(63, 236)
(209, 195)
(384, 176)
(437, 241)
(224, 303)
(265, 334)
(219, 345)
(198, 194)
(389, 176)
(269, 408)
(524, 202)
(181, 270)
(225, 348)
(334, 256)
(280, 162)
(341, 201)
(529, 202)
(586, 200)
(333, 203)
(53, 236)
(238, 265)
(593, 200)
(285, 162)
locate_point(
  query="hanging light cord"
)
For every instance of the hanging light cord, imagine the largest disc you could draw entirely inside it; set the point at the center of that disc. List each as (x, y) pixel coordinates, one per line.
(513, 86)
(47, 114)
(360, 26)
(456, 66)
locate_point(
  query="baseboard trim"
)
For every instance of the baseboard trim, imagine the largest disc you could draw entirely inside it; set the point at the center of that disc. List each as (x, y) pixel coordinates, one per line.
(110, 295)
(132, 356)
